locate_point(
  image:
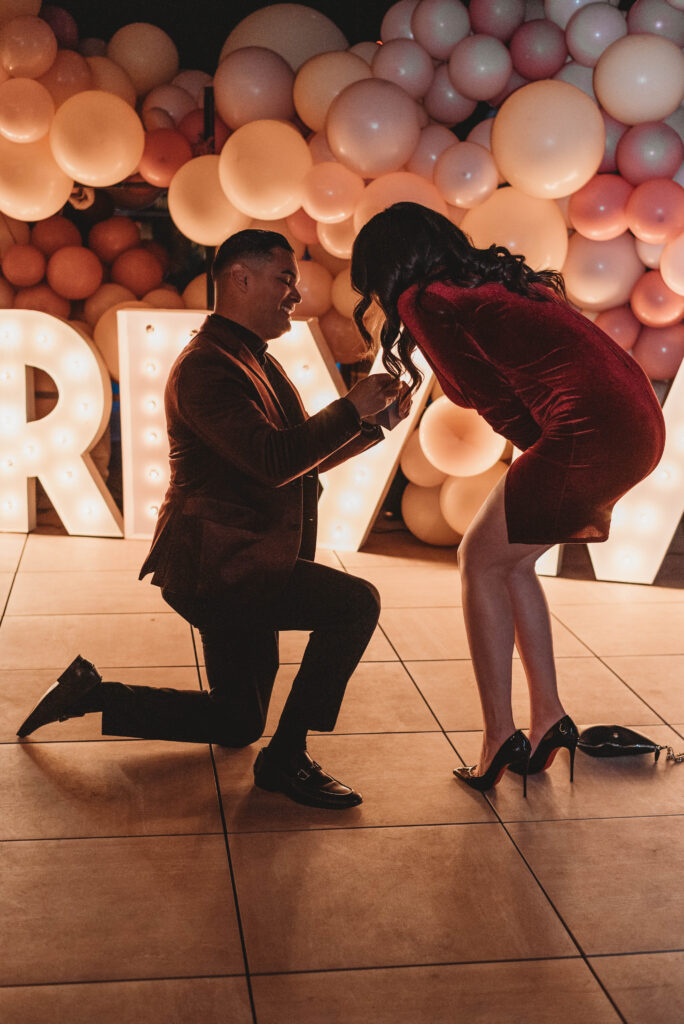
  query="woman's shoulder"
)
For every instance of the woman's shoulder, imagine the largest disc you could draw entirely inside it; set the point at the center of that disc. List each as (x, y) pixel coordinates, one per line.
(439, 295)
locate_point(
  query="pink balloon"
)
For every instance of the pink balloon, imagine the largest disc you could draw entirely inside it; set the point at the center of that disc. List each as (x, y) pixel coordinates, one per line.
(373, 127)
(26, 110)
(466, 174)
(614, 132)
(649, 150)
(620, 324)
(433, 141)
(438, 25)
(579, 76)
(479, 67)
(498, 18)
(62, 24)
(176, 101)
(251, 84)
(655, 211)
(194, 82)
(657, 18)
(515, 81)
(561, 11)
(659, 350)
(302, 227)
(538, 49)
(591, 30)
(600, 275)
(69, 73)
(597, 210)
(331, 192)
(444, 103)
(405, 63)
(319, 148)
(653, 303)
(396, 23)
(315, 288)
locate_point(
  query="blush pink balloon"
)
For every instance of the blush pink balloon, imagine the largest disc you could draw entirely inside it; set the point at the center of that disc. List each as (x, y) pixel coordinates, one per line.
(561, 11)
(396, 24)
(597, 210)
(591, 30)
(315, 288)
(373, 127)
(331, 192)
(649, 150)
(444, 103)
(479, 67)
(70, 73)
(659, 351)
(515, 81)
(405, 63)
(655, 211)
(600, 275)
(176, 101)
(302, 227)
(194, 82)
(614, 132)
(433, 141)
(498, 18)
(657, 18)
(192, 127)
(538, 49)
(620, 324)
(400, 187)
(251, 84)
(26, 110)
(319, 148)
(653, 303)
(672, 264)
(466, 174)
(438, 25)
(579, 76)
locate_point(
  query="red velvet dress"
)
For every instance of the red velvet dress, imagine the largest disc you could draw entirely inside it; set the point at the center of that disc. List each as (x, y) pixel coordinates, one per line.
(580, 408)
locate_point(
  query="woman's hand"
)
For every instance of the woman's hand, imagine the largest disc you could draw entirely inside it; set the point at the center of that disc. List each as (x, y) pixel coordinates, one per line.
(374, 393)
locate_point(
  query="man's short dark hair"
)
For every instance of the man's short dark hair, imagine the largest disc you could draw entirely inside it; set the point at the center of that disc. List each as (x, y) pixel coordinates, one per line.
(248, 243)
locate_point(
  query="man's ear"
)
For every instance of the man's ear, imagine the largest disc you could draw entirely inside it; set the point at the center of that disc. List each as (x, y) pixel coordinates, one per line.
(239, 276)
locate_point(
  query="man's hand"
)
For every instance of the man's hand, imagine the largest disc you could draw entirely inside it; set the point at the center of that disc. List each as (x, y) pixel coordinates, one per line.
(374, 393)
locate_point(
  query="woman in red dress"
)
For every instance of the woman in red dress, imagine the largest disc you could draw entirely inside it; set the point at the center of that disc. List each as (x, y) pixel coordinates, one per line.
(502, 339)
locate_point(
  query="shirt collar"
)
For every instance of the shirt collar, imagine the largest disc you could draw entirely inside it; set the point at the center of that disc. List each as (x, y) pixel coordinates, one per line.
(254, 343)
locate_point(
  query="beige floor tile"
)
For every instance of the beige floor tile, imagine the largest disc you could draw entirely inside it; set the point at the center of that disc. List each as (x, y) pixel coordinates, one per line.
(367, 897)
(627, 629)
(380, 697)
(6, 579)
(561, 591)
(66, 790)
(175, 1001)
(405, 779)
(536, 992)
(82, 554)
(588, 689)
(408, 586)
(439, 633)
(658, 679)
(649, 989)
(111, 909)
(83, 593)
(41, 641)
(293, 643)
(11, 547)
(615, 882)
(603, 787)
(21, 689)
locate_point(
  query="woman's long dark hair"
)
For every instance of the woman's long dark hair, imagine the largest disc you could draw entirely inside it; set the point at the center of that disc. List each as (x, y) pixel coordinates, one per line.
(409, 244)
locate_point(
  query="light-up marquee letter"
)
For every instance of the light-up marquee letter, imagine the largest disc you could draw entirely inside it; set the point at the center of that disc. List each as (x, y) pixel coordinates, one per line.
(53, 449)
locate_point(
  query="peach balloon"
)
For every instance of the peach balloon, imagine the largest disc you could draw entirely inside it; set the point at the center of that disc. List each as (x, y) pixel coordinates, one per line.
(92, 47)
(672, 264)
(337, 239)
(399, 187)
(195, 293)
(74, 272)
(319, 148)
(43, 299)
(192, 127)
(62, 24)
(28, 46)
(433, 141)
(373, 127)
(171, 98)
(26, 110)
(523, 224)
(479, 67)
(68, 74)
(655, 211)
(598, 209)
(460, 498)
(32, 185)
(342, 336)
(146, 53)
(620, 324)
(109, 77)
(165, 152)
(498, 18)
(251, 84)
(438, 25)
(331, 192)
(579, 76)
(396, 23)
(405, 63)
(332, 263)
(416, 467)
(155, 117)
(649, 254)
(97, 138)
(600, 275)
(53, 233)
(6, 294)
(614, 132)
(458, 441)
(13, 232)
(561, 11)
(314, 286)
(23, 265)
(591, 30)
(515, 81)
(548, 139)
(538, 49)
(13, 8)
(262, 167)
(659, 351)
(443, 103)
(366, 50)
(343, 296)
(106, 296)
(194, 82)
(423, 516)
(138, 270)
(302, 226)
(321, 79)
(106, 335)
(294, 31)
(650, 150)
(198, 205)
(640, 78)
(109, 238)
(282, 228)
(466, 175)
(657, 17)
(653, 303)
(164, 298)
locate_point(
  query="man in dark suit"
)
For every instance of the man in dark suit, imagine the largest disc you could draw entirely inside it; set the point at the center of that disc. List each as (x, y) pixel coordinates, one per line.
(235, 538)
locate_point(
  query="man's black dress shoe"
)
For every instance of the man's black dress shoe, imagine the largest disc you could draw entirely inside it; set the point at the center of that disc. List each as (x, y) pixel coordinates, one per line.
(303, 780)
(61, 701)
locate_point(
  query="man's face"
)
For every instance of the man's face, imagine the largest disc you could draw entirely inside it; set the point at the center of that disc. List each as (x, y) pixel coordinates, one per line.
(273, 291)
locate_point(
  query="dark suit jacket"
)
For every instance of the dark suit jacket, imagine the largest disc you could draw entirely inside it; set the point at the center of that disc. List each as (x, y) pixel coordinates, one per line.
(241, 503)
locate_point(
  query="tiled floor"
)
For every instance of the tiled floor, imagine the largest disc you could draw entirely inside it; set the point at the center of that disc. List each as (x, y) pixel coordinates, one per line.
(147, 881)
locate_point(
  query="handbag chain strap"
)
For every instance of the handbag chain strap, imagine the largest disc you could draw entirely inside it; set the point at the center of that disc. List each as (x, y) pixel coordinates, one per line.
(671, 756)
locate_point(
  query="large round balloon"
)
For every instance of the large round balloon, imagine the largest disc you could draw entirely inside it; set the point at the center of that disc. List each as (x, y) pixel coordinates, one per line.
(343, 296)
(653, 303)
(600, 275)
(26, 110)
(343, 338)
(659, 350)
(146, 53)
(416, 466)
(548, 139)
(434, 139)
(396, 22)
(69, 73)
(262, 168)
(321, 79)
(23, 265)
(251, 84)
(315, 288)
(400, 187)
(337, 239)
(28, 46)
(176, 101)
(465, 174)
(655, 211)
(592, 29)
(561, 11)
(598, 209)
(522, 223)
(406, 63)
(458, 441)
(479, 67)
(498, 18)
(648, 151)
(620, 324)
(52, 233)
(137, 269)
(659, 18)
(97, 138)
(32, 185)
(294, 31)
(74, 272)
(640, 78)
(672, 264)
(423, 516)
(198, 205)
(373, 127)
(166, 150)
(461, 498)
(109, 77)
(444, 103)
(112, 236)
(538, 49)
(331, 192)
(438, 25)
(106, 296)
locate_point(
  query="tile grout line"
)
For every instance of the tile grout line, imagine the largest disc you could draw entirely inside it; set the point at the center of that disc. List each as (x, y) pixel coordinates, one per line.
(14, 575)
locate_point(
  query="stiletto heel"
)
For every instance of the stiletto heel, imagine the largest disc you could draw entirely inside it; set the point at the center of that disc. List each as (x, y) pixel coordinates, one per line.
(572, 751)
(564, 734)
(514, 752)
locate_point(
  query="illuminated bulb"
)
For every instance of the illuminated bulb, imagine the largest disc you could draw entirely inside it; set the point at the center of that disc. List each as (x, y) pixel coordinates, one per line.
(85, 406)
(360, 476)
(152, 436)
(350, 502)
(151, 368)
(8, 506)
(149, 328)
(68, 474)
(6, 375)
(152, 405)
(153, 474)
(42, 339)
(30, 449)
(153, 510)
(77, 364)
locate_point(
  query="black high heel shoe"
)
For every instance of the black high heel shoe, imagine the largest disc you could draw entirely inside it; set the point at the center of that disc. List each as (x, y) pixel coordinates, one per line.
(564, 734)
(514, 752)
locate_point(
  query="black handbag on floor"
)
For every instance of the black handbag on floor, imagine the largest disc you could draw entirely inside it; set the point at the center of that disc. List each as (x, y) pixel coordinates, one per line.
(619, 741)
